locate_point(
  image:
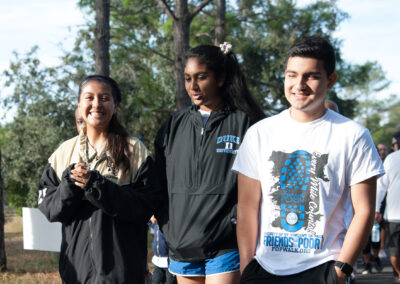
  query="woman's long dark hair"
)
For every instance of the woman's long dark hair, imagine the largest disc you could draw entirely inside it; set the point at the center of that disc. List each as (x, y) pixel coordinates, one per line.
(117, 139)
(234, 92)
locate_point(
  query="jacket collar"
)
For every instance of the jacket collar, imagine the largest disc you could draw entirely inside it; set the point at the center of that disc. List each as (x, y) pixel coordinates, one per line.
(214, 118)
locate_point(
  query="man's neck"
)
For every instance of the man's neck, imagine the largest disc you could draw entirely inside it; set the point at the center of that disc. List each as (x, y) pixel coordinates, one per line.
(305, 116)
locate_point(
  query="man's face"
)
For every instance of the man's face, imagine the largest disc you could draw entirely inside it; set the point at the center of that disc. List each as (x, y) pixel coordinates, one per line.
(80, 123)
(306, 84)
(382, 150)
(395, 144)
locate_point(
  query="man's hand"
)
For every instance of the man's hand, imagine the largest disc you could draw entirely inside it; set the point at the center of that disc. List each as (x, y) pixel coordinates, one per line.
(342, 277)
(378, 217)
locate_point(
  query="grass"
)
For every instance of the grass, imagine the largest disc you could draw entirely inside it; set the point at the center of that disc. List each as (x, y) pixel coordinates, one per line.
(33, 267)
(26, 266)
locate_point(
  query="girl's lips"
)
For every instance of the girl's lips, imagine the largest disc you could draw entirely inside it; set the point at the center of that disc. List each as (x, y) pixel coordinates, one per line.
(96, 114)
(196, 96)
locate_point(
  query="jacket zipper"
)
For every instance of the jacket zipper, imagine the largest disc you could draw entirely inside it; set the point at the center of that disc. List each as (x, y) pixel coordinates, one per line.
(158, 244)
(92, 248)
(198, 172)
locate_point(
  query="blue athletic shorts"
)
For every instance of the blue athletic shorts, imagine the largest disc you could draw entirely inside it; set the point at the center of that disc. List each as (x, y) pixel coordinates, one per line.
(228, 262)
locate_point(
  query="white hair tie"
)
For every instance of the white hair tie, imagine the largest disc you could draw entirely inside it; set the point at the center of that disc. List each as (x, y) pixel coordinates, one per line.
(226, 47)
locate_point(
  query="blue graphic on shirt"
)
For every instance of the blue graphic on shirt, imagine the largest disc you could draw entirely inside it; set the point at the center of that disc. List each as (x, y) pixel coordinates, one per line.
(228, 142)
(296, 193)
(292, 242)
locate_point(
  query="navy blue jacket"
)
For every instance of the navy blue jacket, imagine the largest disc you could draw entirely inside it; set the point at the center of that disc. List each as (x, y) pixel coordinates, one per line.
(160, 247)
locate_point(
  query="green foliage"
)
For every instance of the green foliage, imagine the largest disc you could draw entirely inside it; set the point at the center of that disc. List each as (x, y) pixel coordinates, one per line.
(43, 120)
(16, 195)
(385, 120)
(363, 82)
(3, 137)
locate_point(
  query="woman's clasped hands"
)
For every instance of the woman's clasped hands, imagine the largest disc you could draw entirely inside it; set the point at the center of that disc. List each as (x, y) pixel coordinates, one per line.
(80, 174)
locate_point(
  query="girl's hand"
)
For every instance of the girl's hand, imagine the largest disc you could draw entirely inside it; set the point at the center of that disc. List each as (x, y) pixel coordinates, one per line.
(80, 174)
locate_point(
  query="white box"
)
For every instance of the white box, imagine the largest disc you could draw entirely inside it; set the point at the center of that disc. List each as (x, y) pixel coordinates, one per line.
(38, 232)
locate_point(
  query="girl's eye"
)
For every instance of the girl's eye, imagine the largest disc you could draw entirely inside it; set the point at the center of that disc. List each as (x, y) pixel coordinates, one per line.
(202, 77)
(187, 79)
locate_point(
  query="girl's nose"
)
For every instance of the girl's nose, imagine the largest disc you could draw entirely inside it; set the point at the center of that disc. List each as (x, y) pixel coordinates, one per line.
(193, 85)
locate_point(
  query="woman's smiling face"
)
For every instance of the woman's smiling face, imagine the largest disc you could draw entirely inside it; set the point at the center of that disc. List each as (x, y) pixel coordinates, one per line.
(96, 104)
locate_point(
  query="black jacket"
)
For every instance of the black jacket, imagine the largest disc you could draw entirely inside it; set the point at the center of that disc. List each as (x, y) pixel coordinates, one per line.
(194, 163)
(104, 225)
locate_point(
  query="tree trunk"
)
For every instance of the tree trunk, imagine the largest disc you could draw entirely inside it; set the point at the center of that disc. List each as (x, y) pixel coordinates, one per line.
(102, 38)
(220, 22)
(181, 44)
(3, 258)
(182, 19)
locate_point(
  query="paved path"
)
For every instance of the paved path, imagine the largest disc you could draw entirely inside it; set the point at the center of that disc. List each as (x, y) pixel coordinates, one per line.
(383, 277)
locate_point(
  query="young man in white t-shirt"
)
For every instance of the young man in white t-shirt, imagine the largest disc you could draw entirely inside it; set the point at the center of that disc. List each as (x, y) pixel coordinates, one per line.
(388, 188)
(301, 173)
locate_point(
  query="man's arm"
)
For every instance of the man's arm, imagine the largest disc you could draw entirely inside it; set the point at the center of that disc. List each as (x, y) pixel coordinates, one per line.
(381, 190)
(249, 196)
(363, 199)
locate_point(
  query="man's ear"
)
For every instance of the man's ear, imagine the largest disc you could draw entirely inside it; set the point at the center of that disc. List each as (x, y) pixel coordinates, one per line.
(332, 80)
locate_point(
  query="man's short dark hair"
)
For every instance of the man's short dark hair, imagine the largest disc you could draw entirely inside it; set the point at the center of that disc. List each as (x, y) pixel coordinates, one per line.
(396, 136)
(314, 47)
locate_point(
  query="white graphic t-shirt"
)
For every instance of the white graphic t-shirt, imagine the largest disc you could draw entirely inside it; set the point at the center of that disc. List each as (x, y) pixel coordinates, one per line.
(305, 170)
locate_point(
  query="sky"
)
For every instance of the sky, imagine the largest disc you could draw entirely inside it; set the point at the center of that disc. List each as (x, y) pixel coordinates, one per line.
(372, 33)
(49, 24)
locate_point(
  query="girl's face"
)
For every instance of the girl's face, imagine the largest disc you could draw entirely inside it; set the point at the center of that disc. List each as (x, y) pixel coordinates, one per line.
(202, 86)
(96, 105)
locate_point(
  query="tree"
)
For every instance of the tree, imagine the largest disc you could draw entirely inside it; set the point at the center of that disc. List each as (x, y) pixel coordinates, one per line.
(3, 258)
(44, 118)
(181, 26)
(220, 22)
(371, 80)
(385, 121)
(102, 37)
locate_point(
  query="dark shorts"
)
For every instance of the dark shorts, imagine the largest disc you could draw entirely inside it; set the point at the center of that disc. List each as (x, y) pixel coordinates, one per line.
(322, 274)
(370, 245)
(393, 238)
(162, 275)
